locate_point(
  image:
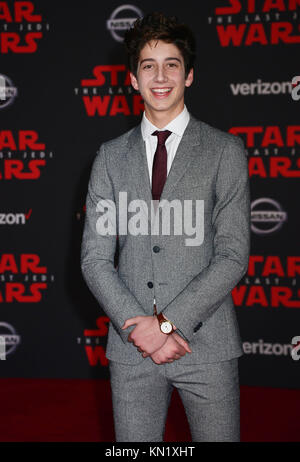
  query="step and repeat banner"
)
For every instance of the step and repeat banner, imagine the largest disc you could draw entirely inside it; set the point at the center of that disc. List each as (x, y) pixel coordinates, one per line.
(65, 89)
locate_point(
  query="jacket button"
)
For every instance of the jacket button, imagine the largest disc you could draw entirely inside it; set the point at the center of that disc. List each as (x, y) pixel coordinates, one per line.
(197, 327)
(150, 284)
(156, 249)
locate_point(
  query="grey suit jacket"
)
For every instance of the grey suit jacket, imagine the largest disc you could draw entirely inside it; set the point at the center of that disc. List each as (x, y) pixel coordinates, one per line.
(191, 284)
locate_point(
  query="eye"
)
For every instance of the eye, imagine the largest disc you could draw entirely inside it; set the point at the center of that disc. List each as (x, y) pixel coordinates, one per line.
(147, 66)
(172, 65)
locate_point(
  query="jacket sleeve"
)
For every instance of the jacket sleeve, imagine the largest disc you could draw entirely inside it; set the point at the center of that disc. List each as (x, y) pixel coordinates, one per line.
(231, 224)
(98, 251)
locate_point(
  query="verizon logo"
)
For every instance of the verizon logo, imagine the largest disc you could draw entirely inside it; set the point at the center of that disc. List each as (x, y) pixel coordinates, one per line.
(261, 88)
(269, 349)
(15, 218)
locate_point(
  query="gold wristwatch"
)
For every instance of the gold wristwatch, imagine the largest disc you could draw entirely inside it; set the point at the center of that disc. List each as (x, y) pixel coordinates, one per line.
(165, 325)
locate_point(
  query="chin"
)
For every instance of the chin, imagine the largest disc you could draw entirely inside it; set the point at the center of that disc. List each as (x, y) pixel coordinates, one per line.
(162, 105)
(161, 108)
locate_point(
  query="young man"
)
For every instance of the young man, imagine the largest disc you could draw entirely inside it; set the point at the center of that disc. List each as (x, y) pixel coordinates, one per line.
(169, 300)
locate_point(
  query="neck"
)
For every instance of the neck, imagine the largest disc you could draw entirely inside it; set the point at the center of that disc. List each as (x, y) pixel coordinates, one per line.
(162, 118)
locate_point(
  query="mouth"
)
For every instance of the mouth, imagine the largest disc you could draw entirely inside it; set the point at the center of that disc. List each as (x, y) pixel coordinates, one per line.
(161, 92)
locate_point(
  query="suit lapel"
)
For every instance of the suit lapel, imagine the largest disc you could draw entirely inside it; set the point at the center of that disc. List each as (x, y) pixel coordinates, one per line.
(183, 157)
(137, 159)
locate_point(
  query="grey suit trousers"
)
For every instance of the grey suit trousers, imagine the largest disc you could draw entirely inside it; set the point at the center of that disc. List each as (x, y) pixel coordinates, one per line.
(209, 392)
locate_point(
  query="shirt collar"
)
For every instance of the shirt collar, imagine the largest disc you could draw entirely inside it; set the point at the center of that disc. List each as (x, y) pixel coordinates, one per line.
(177, 125)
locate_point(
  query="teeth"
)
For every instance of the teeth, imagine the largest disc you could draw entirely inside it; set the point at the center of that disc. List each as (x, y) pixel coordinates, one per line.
(161, 90)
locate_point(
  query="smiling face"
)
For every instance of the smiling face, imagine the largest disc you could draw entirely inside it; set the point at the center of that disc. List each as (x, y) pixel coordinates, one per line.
(161, 81)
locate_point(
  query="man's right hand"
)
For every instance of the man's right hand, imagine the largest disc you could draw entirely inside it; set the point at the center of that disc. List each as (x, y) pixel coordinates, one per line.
(174, 348)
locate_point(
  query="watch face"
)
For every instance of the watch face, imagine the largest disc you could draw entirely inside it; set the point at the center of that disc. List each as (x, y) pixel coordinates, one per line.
(166, 327)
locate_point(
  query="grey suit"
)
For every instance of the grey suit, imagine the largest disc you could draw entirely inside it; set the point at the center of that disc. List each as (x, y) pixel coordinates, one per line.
(192, 284)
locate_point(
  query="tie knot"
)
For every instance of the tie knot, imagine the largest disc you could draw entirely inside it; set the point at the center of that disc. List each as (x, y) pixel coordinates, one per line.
(162, 136)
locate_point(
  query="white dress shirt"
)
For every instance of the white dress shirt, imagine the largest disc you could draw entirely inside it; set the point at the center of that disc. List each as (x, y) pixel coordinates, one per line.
(177, 126)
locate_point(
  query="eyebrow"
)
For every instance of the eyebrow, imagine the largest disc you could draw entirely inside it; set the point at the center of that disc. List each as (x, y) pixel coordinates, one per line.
(167, 59)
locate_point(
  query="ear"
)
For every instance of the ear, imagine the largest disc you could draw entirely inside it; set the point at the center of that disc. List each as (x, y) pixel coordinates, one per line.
(134, 81)
(190, 78)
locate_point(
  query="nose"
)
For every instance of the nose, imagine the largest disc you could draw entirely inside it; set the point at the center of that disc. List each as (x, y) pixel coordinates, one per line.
(161, 74)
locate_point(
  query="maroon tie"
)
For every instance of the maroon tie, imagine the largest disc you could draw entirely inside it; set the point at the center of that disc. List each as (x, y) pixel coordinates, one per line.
(159, 169)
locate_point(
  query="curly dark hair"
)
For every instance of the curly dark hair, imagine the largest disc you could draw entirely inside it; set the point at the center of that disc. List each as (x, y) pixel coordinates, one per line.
(157, 26)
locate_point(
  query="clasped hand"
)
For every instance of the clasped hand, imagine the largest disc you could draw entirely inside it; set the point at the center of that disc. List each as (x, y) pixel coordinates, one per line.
(150, 341)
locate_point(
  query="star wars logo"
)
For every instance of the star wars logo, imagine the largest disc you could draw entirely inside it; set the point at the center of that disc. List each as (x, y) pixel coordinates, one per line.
(272, 150)
(22, 278)
(22, 155)
(92, 340)
(252, 22)
(110, 93)
(270, 282)
(21, 28)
